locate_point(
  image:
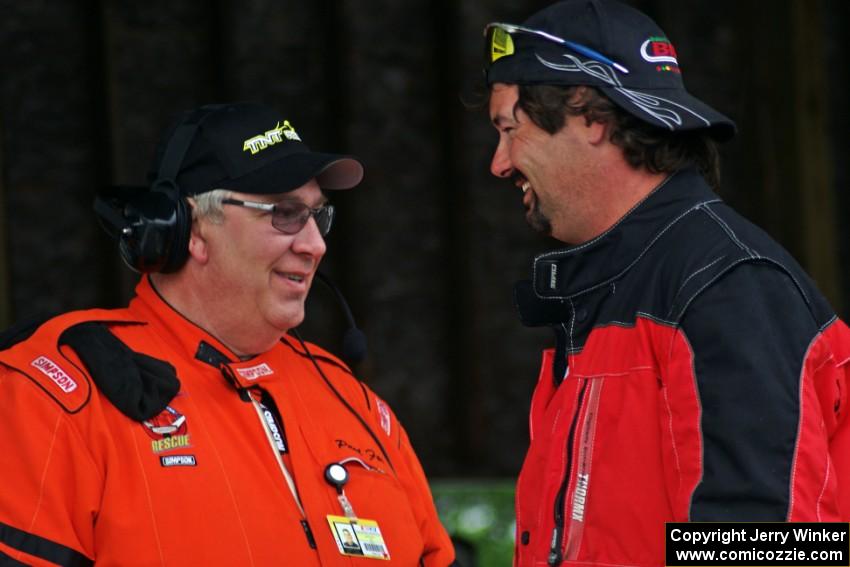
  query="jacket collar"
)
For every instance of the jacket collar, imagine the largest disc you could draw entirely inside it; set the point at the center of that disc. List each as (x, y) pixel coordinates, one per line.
(193, 342)
(190, 339)
(567, 273)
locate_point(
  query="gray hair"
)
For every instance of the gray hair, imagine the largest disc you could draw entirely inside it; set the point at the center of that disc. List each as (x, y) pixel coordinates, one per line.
(209, 205)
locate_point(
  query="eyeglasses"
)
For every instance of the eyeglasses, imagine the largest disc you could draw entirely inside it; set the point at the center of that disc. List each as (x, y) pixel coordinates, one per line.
(289, 217)
(499, 43)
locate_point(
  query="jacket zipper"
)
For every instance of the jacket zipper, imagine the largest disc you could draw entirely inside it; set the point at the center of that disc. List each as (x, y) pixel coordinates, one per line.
(308, 532)
(556, 555)
(245, 396)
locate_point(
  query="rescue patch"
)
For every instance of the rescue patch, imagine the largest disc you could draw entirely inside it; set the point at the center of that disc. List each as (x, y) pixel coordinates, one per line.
(55, 373)
(169, 430)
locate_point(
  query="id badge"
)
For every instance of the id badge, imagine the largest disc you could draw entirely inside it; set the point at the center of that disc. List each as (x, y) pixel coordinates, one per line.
(358, 537)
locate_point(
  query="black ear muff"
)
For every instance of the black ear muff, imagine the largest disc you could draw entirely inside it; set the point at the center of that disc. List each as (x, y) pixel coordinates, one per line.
(156, 238)
(153, 225)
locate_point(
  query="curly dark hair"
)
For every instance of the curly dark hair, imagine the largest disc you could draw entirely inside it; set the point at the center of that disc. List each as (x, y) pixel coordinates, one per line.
(643, 145)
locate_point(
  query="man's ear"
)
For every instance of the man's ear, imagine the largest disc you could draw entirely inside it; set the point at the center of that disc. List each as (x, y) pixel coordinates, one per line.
(597, 132)
(198, 248)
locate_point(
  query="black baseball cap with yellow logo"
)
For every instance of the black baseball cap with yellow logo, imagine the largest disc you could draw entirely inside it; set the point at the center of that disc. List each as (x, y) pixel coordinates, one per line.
(250, 148)
(604, 44)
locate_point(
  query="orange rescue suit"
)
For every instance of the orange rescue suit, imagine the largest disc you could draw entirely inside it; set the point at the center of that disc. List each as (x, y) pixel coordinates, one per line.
(199, 484)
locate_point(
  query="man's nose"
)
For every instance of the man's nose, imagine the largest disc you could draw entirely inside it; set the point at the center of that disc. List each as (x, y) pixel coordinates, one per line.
(309, 240)
(500, 165)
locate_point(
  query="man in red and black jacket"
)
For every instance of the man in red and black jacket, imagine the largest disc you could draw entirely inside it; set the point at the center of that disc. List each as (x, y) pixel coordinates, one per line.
(698, 374)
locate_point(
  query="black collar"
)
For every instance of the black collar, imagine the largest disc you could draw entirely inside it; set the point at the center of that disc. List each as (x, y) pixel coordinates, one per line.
(564, 274)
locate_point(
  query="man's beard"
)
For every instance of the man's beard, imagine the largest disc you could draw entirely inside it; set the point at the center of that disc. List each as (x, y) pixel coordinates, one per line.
(536, 219)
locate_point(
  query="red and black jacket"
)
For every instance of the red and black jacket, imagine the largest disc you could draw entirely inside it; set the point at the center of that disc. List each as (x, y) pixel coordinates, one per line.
(698, 375)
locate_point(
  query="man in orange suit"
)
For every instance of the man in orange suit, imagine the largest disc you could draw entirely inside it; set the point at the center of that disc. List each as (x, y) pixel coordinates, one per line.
(194, 427)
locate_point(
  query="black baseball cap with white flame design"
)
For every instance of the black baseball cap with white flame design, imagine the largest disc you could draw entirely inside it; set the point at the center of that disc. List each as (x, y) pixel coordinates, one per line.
(604, 44)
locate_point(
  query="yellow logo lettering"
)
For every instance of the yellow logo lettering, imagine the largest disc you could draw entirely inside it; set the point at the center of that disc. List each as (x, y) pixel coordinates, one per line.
(271, 137)
(168, 443)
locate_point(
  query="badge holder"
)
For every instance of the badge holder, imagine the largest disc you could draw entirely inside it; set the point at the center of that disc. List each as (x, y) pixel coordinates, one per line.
(353, 536)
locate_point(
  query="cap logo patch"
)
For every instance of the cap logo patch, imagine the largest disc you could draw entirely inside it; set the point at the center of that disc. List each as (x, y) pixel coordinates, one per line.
(255, 371)
(658, 50)
(52, 371)
(271, 137)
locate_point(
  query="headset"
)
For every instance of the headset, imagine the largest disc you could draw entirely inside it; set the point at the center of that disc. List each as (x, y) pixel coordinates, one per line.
(153, 224)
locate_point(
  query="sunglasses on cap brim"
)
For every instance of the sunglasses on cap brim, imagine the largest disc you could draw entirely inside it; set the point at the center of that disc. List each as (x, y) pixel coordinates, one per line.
(499, 43)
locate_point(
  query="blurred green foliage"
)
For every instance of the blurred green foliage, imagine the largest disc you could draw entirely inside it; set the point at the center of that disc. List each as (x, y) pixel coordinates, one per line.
(479, 515)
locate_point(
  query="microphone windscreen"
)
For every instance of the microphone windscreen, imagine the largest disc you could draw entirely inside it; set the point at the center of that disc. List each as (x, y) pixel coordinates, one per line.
(353, 345)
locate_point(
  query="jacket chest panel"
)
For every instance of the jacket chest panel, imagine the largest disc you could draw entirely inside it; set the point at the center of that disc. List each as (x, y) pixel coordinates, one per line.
(207, 457)
(333, 434)
(593, 475)
(202, 480)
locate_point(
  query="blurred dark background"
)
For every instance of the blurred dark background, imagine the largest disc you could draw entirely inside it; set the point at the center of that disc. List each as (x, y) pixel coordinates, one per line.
(427, 249)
